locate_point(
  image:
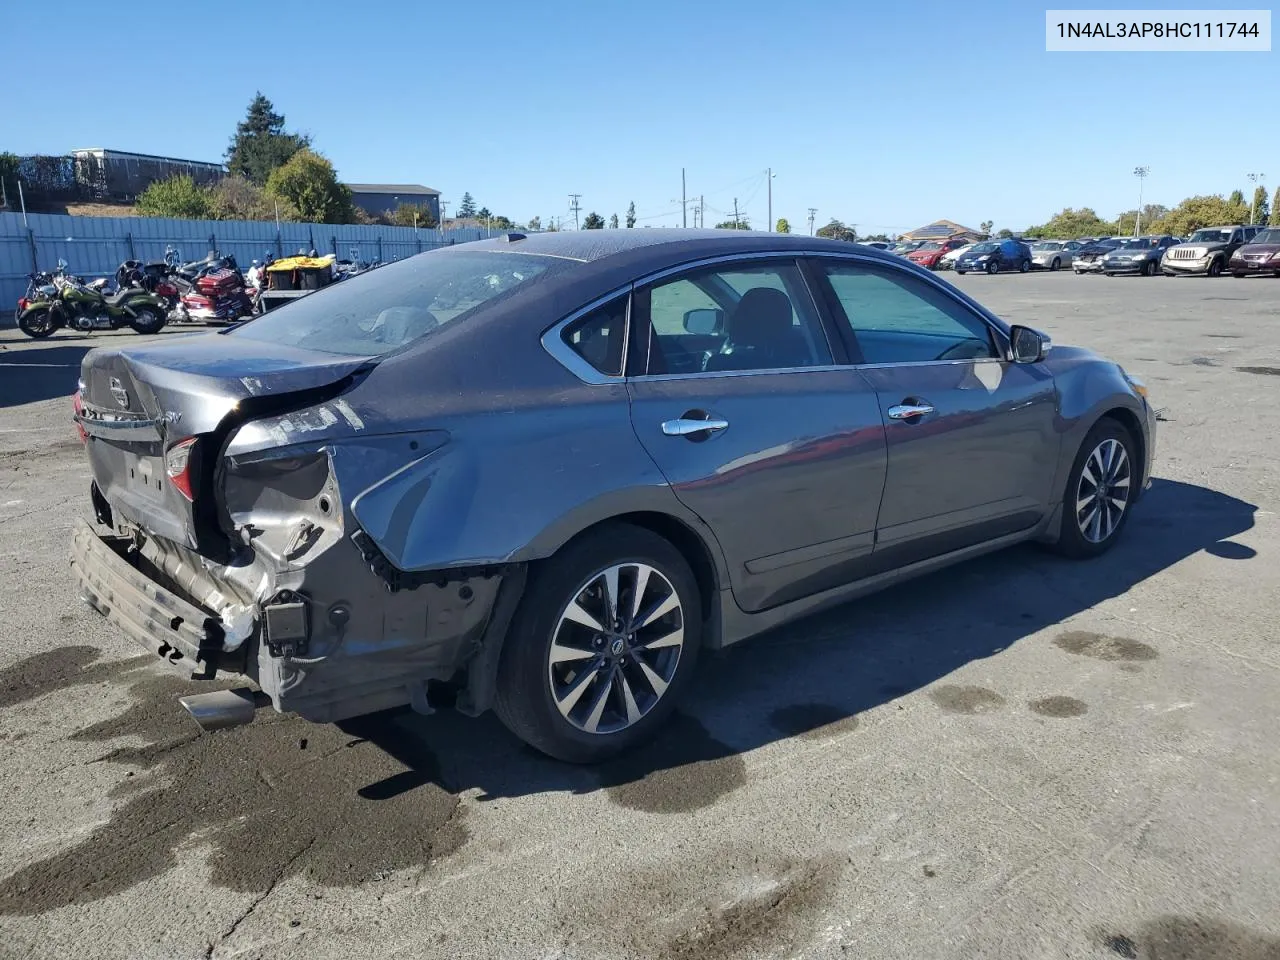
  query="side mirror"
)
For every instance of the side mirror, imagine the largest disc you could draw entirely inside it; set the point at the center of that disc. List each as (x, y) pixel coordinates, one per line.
(1027, 345)
(704, 321)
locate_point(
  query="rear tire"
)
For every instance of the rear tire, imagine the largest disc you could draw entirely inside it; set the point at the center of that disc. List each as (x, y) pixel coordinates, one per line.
(147, 320)
(1024, 266)
(553, 657)
(1087, 531)
(960, 273)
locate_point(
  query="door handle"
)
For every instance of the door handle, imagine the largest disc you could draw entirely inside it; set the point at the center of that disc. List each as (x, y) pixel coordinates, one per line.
(685, 427)
(908, 411)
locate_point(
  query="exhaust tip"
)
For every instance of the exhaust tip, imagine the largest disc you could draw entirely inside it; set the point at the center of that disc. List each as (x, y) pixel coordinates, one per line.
(222, 709)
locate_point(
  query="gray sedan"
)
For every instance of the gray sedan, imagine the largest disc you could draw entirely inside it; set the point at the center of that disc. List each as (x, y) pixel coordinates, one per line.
(1053, 254)
(540, 474)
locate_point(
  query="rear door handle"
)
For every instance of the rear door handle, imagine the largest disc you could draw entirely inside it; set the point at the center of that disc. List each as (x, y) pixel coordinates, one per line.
(909, 411)
(684, 427)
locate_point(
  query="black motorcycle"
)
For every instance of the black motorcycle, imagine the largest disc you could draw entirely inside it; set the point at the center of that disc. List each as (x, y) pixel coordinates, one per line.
(70, 302)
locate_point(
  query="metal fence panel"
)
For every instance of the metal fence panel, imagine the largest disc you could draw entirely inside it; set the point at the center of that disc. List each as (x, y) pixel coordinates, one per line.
(95, 246)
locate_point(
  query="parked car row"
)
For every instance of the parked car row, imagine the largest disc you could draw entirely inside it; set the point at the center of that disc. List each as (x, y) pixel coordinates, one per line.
(1241, 250)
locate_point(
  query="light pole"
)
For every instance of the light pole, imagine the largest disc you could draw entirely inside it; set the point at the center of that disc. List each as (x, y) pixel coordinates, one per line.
(769, 176)
(1141, 174)
(1253, 207)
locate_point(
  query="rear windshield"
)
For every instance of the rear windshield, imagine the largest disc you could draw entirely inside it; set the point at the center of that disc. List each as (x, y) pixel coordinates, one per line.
(380, 311)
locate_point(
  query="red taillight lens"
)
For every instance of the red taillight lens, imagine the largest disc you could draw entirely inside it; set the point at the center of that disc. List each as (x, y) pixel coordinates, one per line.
(166, 290)
(177, 464)
(23, 303)
(77, 406)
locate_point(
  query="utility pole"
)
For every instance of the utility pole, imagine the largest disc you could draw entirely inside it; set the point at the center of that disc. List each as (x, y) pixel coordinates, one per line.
(1141, 174)
(444, 209)
(1253, 206)
(735, 213)
(575, 207)
(684, 202)
(769, 177)
(813, 212)
(702, 212)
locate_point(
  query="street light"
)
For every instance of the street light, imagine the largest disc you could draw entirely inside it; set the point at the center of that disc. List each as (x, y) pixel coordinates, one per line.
(1253, 207)
(1141, 174)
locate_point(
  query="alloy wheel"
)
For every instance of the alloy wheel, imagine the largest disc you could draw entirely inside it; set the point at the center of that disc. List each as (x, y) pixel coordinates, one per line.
(1103, 494)
(615, 648)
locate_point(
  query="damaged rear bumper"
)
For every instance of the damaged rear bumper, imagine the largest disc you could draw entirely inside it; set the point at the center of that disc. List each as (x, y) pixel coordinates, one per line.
(185, 636)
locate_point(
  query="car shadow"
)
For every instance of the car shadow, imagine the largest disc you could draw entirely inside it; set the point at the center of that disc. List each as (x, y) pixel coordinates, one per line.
(813, 678)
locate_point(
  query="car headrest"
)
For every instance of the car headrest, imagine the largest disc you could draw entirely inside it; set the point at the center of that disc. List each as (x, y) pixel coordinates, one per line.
(763, 316)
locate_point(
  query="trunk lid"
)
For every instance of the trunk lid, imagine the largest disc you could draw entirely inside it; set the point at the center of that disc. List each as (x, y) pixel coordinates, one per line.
(136, 402)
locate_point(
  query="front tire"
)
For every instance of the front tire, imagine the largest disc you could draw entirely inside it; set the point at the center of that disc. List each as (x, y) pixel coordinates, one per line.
(602, 645)
(37, 324)
(1056, 264)
(993, 266)
(1148, 269)
(1099, 492)
(1215, 268)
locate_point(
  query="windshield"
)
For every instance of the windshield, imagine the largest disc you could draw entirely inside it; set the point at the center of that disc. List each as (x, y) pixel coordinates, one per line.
(1137, 243)
(1211, 236)
(1267, 236)
(384, 309)
(984, 248)
(1047, 246)
(931, 245)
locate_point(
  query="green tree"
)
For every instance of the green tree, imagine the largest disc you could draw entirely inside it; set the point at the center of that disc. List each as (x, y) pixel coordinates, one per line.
(1004, 234)
(178, 197)
(261, 144)
(631, 215)
(484, 213)
(740, 224)
(535, 224)
(985, 226)
(467, 208)
(235, 198)
(836, 230)
(783, 225)
(310, 183)
(413, 215)
(1275, 209)
(1204, 211)
(1260, 208)
(613, 222)
(593, 221)
(9, 178)
(1071, 223)
(553, 227)
(878, 238)
(1236, 199)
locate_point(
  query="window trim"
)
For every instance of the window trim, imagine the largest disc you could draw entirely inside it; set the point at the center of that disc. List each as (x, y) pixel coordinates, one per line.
(554, 343)
(562, 353)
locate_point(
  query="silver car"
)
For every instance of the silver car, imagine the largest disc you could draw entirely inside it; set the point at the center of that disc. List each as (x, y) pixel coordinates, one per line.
(541, 473)
(1053, 254)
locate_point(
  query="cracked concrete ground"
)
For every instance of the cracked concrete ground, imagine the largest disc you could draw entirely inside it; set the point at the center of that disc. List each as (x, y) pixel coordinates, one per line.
(1021, 757)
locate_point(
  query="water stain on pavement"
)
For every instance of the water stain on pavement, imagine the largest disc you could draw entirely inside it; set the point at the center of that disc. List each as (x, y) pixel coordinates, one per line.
(1059, 707)
(1187, 938)
(265, 807)
(1261, 371)
(967, 700)
(774, 917)
(812, 721)
(59, 668)
(1087, 644)
(684, 768)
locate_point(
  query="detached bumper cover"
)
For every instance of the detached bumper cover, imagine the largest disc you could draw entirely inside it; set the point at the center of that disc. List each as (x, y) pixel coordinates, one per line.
(152, 616)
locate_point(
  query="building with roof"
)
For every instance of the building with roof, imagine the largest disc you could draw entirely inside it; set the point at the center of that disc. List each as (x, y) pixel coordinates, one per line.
(376, 199)
(944, 230)
(120, 175)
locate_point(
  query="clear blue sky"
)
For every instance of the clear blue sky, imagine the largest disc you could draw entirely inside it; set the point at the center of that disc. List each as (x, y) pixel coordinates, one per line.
(887, 115)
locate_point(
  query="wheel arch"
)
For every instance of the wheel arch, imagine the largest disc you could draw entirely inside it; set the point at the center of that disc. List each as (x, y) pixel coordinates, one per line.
(1129, 420)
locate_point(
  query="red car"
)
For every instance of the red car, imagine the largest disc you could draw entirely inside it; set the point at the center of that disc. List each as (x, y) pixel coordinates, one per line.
(929, 254)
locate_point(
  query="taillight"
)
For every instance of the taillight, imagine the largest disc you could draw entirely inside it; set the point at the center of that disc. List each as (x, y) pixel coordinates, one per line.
(166, 290)
(77, 406)
(177, 464)
(23, 303)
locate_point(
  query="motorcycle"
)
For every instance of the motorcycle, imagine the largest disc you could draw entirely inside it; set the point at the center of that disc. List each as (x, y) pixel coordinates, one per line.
(69, 302)
(218, 292)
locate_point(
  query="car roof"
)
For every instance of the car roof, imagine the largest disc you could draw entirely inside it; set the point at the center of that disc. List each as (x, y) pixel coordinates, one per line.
(655, 244)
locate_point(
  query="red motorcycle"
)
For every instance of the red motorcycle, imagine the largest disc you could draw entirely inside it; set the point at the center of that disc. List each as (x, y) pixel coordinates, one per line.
(219, 296)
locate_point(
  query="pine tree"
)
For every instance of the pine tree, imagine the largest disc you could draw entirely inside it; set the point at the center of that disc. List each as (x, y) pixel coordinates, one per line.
(1275, 209)
(631, 215)
(613, 222)
(261, 144)
(1260, 206)
(467, 208)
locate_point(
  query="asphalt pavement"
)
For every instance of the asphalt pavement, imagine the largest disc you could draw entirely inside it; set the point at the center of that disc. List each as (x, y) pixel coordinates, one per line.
(1022, 757)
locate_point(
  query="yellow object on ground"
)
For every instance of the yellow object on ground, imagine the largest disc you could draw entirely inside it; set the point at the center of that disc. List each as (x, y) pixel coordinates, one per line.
(301, 263)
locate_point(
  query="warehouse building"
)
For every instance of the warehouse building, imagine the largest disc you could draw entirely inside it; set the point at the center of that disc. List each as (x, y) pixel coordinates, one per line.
(376, 199)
